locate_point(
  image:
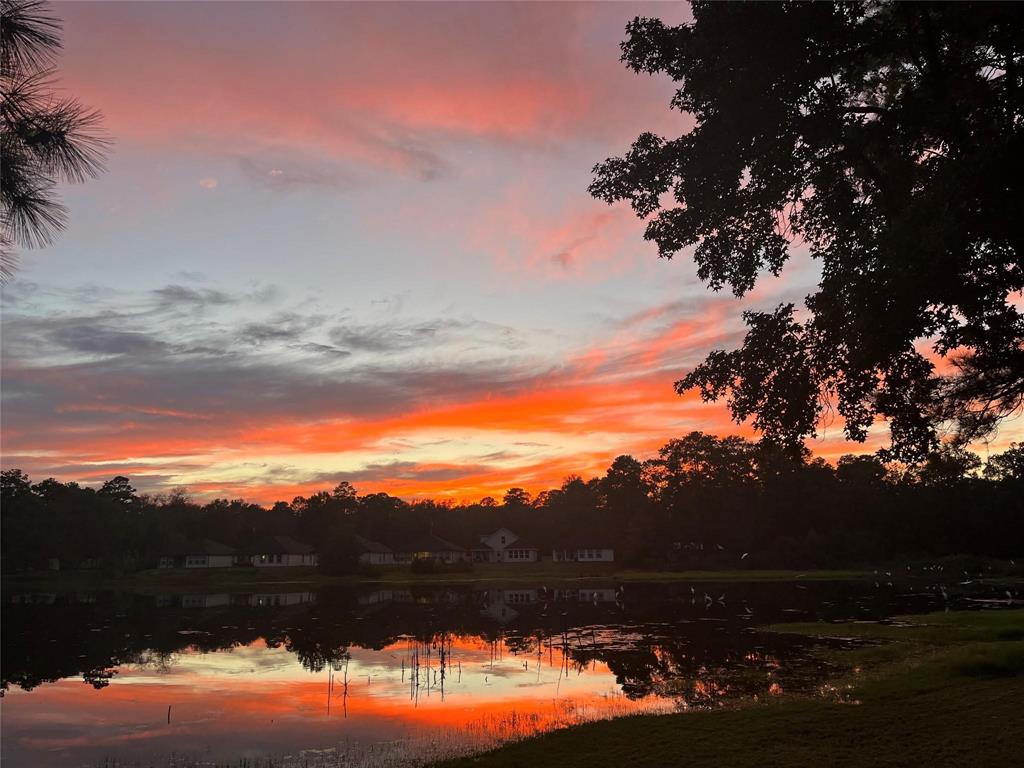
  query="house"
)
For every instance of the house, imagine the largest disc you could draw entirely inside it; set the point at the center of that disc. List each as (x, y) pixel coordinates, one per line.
(282, 551)
(281, 599)
(586, 595)
(235, 600)
(584, 550)
(197, 554)
(428, 547)
(380, 596)
(504, 546)
(85, 564)
(498, 603)
(205, 601)
(373, 552)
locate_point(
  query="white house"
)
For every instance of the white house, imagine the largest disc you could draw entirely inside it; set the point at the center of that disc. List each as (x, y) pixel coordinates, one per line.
(504, 546)
(282, 551)
(498, 604)
(205, 601)
(584, 550)
(378, 596)
(278, 599)
(373, 552)
(428, 547)
(197, 554)
(586, 595)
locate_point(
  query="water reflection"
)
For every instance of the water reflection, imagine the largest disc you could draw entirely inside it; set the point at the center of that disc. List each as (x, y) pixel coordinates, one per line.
(381, 676)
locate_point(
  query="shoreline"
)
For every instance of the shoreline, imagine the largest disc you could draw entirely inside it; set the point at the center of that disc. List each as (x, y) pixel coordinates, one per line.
(283, 579)
(942, 687)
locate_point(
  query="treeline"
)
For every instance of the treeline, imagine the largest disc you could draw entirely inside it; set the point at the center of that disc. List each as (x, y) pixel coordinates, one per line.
(704, 502)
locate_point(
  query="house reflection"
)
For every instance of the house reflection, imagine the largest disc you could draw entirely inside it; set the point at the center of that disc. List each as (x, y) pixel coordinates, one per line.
(222, 600)
(498, 603)
(50, 636)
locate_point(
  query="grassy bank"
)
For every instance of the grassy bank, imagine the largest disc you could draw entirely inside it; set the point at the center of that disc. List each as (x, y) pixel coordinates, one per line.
(932, 690)
(285, 579)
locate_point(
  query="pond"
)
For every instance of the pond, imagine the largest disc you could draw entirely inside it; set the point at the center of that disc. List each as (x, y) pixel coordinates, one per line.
(396, 676)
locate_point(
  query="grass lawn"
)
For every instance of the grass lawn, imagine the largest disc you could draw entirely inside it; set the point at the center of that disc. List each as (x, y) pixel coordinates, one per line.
(937, 690)
(284, 579)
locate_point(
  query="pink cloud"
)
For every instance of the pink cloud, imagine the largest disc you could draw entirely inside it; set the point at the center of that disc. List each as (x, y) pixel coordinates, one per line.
(385, 87)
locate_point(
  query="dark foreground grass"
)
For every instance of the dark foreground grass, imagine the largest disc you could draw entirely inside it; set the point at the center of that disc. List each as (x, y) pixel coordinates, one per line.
(933, 690)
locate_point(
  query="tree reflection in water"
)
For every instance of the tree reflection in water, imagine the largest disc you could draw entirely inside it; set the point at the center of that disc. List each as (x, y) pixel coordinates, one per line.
(503, 663)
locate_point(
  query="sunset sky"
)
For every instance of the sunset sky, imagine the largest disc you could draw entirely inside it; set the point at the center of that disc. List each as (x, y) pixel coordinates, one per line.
(354, 242)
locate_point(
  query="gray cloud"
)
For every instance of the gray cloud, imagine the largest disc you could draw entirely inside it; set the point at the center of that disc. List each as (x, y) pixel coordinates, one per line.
(106, 341)
(290, 174)
(73, 379)
(285, 327)
(55, 404)
(390, 337)
(284, 171)
(180, 296)
(397, 336)
(323, 349)
(408, 152)
(80, 335)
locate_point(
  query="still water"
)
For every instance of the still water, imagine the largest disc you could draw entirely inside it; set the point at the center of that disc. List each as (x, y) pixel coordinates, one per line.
(387, 677)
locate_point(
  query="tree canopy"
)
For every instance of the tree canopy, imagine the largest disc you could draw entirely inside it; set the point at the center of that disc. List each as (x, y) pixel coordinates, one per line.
(885, 139)
(701, 502)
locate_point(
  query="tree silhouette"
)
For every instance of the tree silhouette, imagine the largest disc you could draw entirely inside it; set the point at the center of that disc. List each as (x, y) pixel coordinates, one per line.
(516, 497)
(702, 502)
(119, 489)
(888, 140)
(45, 137)
(1008, 465)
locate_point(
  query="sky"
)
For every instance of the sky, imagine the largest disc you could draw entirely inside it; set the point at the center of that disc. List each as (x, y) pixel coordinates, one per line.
(354, 242)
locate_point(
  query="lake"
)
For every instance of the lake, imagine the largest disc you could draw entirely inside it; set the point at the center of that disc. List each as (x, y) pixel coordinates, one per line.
(394, 676)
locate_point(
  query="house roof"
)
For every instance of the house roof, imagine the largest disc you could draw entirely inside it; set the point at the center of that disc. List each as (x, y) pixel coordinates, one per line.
(520, 544)
(496, 531)
(372, 546)
(281, 545)
(444, 544)
(185, 547)
(483, 546)
(584, 542)
(427, 542)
